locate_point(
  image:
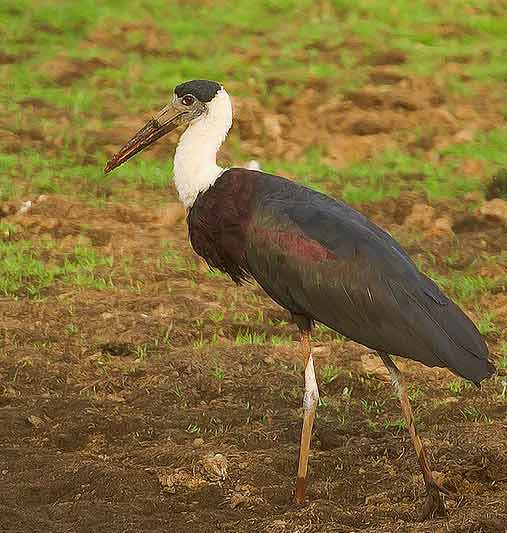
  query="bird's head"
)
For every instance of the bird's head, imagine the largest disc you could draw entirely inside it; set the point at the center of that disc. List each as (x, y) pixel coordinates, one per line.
(192, 101)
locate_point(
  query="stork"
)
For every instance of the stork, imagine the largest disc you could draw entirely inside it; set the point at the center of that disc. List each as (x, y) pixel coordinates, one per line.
(315, 256)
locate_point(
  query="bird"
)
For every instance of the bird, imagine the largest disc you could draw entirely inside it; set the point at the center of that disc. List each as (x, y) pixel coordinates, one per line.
(317, 257)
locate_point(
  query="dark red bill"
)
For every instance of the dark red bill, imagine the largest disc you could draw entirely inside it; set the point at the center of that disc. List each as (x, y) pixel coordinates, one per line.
(148, 134)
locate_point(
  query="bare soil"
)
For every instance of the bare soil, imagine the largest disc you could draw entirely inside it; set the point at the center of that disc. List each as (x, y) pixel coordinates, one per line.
(95, 436)
(133, 409)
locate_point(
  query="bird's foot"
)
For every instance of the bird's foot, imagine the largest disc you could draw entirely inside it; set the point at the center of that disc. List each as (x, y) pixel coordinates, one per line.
(434, 504)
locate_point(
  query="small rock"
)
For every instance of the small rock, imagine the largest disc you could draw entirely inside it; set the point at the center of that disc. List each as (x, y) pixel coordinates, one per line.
(420, 218)
(440, 230)
(198, 442)
(25, 207)
(36, 421)
(496, 210)
(372, 365)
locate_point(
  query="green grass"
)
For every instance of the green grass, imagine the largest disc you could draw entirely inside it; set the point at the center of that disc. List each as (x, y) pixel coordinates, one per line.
(386, 175)
(23, 271)
(502, 362)
(250, 337)
(280, 340)
(173, 260)
(414, 27)
(486, 324)
(489, 147)
(469, 287)
(457, 386)
(466, 288)
(287, 57)
(329, 373)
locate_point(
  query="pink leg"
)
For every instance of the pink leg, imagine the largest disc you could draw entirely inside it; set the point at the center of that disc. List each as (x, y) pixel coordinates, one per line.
(434, 504)
(310, 402)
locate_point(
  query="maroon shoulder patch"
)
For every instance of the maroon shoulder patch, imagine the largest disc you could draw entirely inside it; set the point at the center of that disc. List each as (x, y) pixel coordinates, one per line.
(295, 244)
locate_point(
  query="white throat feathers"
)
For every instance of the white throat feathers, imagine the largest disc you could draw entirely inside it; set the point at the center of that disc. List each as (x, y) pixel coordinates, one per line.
(195, 165)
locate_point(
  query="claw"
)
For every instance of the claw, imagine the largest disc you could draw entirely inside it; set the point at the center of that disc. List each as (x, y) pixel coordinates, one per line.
(434, 504)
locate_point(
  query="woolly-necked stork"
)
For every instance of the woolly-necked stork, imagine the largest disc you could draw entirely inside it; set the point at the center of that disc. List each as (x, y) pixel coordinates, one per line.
(315, 256)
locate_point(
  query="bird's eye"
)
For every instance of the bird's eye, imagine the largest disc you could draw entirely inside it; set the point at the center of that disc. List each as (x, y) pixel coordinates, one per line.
(188, 99)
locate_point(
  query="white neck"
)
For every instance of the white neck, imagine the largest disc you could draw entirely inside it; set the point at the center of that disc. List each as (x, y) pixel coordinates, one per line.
(195, 166)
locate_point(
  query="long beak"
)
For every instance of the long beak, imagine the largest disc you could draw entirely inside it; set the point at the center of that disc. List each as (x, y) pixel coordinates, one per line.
(167, 120)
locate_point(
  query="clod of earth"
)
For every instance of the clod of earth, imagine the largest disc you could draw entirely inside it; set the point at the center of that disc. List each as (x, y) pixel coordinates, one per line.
(495, 210)
(214, 467)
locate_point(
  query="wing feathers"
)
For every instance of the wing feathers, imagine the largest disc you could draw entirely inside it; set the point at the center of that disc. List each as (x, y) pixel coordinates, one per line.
(326, 261)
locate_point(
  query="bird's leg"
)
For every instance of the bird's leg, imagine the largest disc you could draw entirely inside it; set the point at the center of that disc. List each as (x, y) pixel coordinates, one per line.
(434, 505)
(310, 401)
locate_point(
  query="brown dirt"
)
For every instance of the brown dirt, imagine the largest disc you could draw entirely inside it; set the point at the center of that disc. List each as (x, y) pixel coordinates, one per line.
(95, 436)
(133, 409)
(364, 122)
(144, 37)
(65, 71)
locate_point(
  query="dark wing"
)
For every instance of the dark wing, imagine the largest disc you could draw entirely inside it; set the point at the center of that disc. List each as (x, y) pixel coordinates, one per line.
(320, 258)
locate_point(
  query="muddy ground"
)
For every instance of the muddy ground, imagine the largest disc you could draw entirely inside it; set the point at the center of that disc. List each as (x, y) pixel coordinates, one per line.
(133, 410)
(137, 406)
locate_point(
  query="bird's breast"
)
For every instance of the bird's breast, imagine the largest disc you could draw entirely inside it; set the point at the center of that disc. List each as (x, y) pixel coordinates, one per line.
(218, 221)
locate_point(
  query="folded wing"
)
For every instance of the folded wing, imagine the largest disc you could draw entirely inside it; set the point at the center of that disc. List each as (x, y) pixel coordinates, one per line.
(322, 259)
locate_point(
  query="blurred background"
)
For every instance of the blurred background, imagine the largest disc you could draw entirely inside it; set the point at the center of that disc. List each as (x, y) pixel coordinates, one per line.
(124, 362)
